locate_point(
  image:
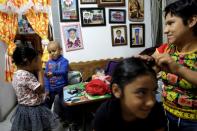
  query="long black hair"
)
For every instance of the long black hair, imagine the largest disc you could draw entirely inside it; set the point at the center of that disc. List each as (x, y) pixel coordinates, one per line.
(129, 69)
(23, 54)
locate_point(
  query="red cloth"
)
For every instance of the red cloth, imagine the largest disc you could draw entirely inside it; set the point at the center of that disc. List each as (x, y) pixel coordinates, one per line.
(162, 48)
(97, 87)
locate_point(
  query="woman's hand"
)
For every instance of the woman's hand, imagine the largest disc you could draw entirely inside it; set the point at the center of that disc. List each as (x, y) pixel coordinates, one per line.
(144, 57)
(166, 63)
(149, 60)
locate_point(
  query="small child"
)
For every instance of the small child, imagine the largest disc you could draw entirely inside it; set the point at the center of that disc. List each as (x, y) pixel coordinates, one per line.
(31, 114)
(133, 106)
(56, 75)
(119, 39)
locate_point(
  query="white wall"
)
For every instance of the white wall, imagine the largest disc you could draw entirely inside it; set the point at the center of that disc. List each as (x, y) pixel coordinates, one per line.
(97, 40)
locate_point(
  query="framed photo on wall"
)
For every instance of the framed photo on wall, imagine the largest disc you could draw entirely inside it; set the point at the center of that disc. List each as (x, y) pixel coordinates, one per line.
(72, 37)
(68, 10)
(88, 1)
(136, 10)
(105, 3)
(24, 26)
(93, 16)
(117, 16)
(119, 35)
(137, 35)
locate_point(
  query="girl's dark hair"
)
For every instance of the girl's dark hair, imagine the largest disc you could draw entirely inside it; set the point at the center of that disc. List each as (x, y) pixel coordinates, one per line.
(22, 55)
(184, 9)
(129, 69)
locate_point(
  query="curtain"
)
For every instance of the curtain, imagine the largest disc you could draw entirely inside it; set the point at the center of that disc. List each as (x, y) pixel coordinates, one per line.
(39, 22)
(19, 6)
(42, 5)
(164, 3)
(8, 26)
(36, 12)
(154, 20)
(3, 5)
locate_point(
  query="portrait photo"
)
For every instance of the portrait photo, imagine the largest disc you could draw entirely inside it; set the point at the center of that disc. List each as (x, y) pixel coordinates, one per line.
(119, 35)
(117, 16)
(137, 35)
(69, 10)
(72, 37)
(93, 16)
(24, 27)
(136, 10)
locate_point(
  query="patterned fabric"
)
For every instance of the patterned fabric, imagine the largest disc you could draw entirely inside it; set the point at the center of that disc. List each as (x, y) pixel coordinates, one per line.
(10, 68)
(39, 22)
(42, 2)
(3, 1)
(8, 26)
(19, 6)
(25, 84)
(180, 96)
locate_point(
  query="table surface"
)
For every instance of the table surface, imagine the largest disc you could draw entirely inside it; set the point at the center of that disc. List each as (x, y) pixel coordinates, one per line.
(81, 97)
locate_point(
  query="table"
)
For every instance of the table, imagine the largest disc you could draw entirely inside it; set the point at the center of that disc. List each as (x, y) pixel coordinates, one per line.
(75, 95)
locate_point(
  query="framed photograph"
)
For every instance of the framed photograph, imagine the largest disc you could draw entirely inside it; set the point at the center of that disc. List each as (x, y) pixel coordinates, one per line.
(88, 1)
(24, 26)
(136, 10)
(137, 35)
(93, 17)
(68, 10)
(104, 3)
(72, 37)
(119, 35)
(117, 16)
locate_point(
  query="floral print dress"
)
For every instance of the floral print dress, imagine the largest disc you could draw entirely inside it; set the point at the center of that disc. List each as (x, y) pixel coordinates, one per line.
(179, 96)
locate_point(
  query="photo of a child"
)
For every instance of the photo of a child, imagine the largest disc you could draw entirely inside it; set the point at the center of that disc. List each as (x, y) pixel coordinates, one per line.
(119, 39)
(119, 35)
(71, 34)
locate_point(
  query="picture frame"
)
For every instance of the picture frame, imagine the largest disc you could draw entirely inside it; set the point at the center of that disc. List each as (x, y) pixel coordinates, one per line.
(24, 27)
(117, 16)
(88, 1)
(136, 10)
(93, 17)
(119, 35)
(69, 11)
(137, 35)
(71, 36)
(114, 3)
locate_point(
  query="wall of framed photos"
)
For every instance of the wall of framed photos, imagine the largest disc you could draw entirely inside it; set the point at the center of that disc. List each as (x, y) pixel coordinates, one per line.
(97, 37)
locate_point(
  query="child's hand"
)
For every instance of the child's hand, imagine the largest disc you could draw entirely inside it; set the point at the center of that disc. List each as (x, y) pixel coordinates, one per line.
(49, 74)
(47, 95)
